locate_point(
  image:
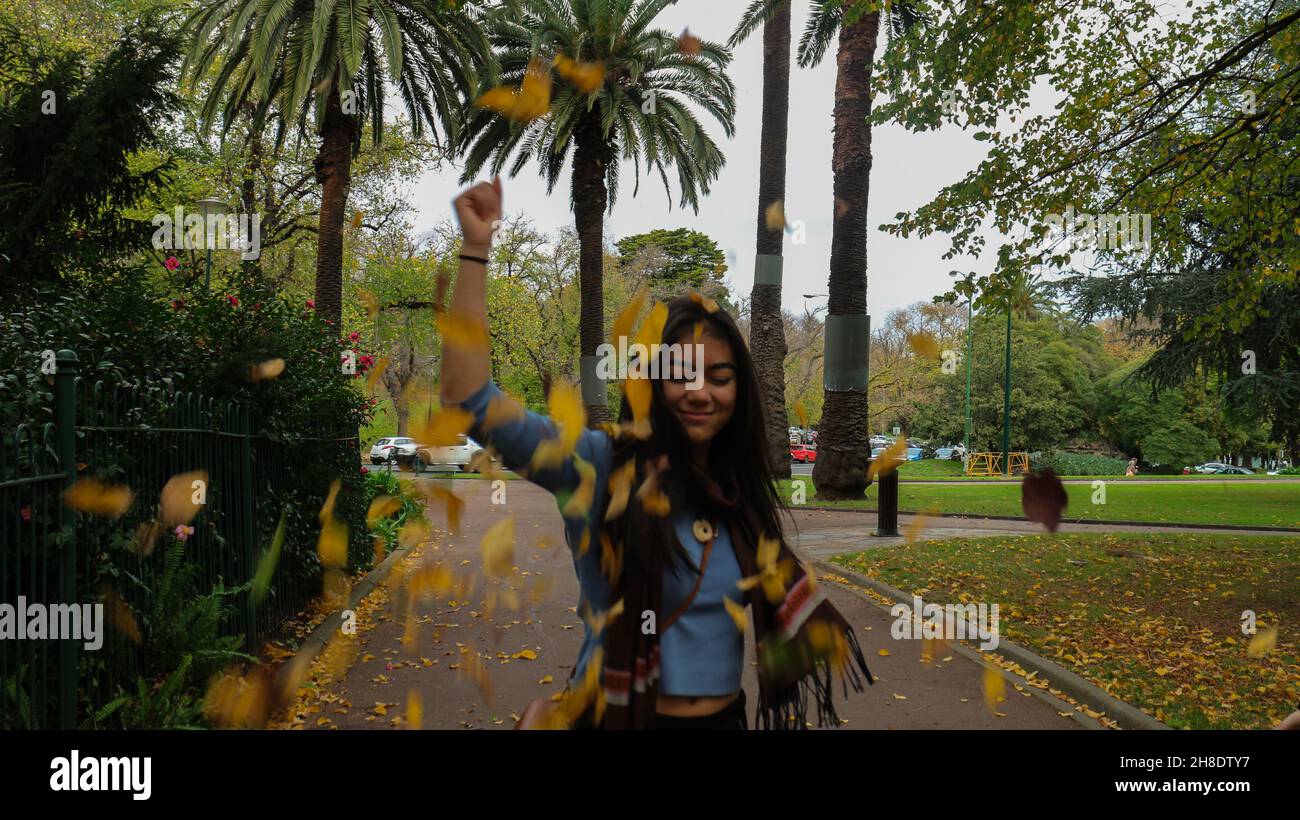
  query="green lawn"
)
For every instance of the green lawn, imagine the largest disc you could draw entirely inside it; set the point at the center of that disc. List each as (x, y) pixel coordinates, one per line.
(1154, 620)
(933, 469)
(1226, 503)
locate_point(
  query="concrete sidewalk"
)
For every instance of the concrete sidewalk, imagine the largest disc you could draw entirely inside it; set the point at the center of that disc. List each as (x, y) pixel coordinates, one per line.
(908, 694)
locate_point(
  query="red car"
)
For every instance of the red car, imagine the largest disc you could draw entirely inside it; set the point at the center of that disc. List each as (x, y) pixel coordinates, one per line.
(803, 453)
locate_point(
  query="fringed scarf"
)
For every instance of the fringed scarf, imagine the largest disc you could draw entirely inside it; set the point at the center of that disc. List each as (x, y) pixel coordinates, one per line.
(802, 639)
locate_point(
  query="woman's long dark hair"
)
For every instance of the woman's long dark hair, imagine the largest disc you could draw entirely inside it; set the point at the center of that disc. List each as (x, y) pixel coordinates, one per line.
(739, 460)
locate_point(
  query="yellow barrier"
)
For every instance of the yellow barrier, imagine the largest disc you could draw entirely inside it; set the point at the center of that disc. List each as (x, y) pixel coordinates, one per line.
(990, 464)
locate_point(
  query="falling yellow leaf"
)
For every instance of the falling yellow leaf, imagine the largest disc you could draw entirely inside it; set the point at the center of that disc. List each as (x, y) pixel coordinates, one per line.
(498, 548)
(444, 429)
(620, 487)
(923, 345)
(774, 216)
(382, 507)
(370, 301)
(120, 617)
(597, 622)
(526, 103)
(327, 509)
(915, 529)
(90, 495)
(688, 43)
(375, 373)
(235, 701)
(705, 302)
(995, 688)
(269, 369)
(332, 546)
(774, 572)
(652, 498)
(146, 536)
(622, 328)
(442, 496)
(462, 331)
(1262, 642)
(483, 462)
(587, 77)
(611, 558)
(565, 405)
(737, 613)
(177, 504)
(802, 413)
(356, 219)
(580, 500)
(888, 460)
(415, 531)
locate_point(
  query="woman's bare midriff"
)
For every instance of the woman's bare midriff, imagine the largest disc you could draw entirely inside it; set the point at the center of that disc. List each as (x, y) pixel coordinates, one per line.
(693, 706)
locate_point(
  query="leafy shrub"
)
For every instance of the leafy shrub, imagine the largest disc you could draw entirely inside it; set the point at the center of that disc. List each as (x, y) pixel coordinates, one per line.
(1079, 463)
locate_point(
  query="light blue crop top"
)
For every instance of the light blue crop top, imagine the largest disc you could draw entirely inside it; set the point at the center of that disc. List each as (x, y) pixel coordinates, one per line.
(703, 652)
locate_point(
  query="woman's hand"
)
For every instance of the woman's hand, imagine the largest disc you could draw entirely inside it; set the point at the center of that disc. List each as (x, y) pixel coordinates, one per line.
(479, 210)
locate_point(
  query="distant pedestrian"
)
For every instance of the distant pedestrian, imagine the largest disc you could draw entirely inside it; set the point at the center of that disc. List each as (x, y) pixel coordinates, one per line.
(1132, 468)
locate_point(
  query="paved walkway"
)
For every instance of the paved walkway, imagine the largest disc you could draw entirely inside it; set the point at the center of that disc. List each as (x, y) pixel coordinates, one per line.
(908, 694)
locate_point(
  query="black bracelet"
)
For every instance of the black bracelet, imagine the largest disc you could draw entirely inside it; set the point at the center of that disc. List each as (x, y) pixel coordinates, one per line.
(478, 259)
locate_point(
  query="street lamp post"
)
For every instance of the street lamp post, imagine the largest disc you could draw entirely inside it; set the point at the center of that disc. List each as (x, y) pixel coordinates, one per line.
(965, 456)
(217, 208)
(1006, 400)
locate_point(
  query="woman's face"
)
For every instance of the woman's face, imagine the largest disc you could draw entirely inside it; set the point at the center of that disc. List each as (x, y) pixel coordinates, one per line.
(703, 404)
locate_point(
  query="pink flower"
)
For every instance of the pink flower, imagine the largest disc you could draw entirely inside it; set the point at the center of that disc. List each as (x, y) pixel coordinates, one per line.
(183, 532)
(365, 471)
(233, 300)
(353, 336)
(172, 263)
(311, 303)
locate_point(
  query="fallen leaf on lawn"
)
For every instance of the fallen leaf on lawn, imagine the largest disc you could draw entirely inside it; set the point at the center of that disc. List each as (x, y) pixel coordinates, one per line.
(90, 495)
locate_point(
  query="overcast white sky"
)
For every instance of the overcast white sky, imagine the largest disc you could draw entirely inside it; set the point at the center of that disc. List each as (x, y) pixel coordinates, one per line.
(908, 170)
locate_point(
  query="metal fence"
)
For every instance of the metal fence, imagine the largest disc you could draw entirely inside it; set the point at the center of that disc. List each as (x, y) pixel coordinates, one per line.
(141, 438)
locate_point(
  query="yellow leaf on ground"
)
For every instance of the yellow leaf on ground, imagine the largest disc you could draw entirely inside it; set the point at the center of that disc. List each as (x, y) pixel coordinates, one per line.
(526, 654)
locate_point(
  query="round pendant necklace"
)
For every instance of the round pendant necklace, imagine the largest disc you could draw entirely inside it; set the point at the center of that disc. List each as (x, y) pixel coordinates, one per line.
(703, 531)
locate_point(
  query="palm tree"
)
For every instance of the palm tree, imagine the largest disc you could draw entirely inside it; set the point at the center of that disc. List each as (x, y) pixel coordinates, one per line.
(332, 60)
(843, 444)
(639, 112)
(767, 325)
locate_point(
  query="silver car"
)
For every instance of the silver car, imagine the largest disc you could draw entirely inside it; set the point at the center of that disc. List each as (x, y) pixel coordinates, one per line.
(392, 449)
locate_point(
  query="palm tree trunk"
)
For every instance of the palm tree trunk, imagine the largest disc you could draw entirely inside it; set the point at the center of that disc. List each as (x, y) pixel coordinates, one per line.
(843, 438)
(767, 330)
(334, 173)
(590, 199)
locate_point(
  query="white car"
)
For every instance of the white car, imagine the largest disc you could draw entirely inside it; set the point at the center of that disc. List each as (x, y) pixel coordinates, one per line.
(456, 455)
(392, 449)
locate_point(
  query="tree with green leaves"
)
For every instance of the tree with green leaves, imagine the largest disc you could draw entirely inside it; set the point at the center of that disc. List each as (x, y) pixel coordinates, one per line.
(675, 261)
(326, 65)
(843, 438)
(641, 111)
(69, 131)
(767, 337)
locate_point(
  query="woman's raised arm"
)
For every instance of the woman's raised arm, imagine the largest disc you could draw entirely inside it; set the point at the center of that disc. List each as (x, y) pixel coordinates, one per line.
(465, 370)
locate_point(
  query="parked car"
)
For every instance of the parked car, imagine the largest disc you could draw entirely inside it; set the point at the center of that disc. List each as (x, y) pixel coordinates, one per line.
(951, 451)
(803, 453)
(880, 441)
(456, 455)
(1210, 467)
(913, 453)
(1229, 469)
(392, 449)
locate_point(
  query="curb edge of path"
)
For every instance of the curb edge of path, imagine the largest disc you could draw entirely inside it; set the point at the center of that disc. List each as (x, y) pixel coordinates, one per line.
(316, 641)
(1072, 684)
(1085, 522)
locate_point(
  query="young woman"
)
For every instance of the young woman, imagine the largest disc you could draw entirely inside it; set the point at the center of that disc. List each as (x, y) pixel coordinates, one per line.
(683, 531)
